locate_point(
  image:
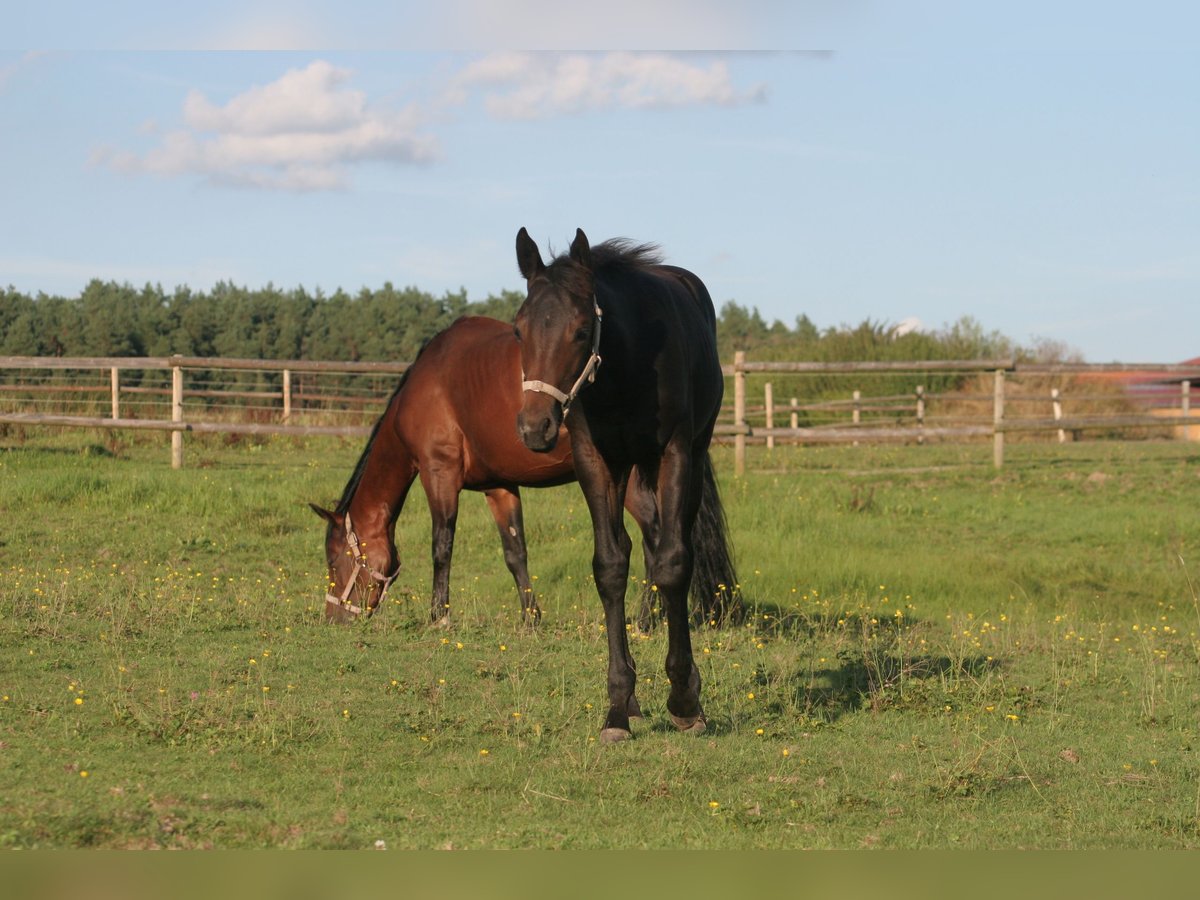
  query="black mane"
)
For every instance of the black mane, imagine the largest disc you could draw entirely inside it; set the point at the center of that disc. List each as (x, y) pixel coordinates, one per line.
(613, 256)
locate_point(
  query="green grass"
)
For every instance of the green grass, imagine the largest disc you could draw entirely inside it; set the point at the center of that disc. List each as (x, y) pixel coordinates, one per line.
(939, 655)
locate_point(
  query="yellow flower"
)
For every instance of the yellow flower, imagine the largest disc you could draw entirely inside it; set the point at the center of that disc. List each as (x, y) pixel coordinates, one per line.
(713, 804)
(83, 773)
(484, 752)
(79, 701)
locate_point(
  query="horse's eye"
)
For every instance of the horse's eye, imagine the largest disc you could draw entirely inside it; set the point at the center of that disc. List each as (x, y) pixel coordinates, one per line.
(517, 333)
(581, 335)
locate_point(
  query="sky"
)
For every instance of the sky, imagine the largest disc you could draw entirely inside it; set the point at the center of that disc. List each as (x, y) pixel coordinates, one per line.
(1034, 166)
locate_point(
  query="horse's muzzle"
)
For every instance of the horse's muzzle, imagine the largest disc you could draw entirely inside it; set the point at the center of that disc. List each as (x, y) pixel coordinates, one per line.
(538, 432)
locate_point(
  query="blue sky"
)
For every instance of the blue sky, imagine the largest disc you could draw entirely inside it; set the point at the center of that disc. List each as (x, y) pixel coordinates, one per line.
(1033, 166)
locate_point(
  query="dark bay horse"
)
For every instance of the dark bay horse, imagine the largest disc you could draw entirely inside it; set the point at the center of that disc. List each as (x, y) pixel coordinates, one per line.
(623, 350)
(450, 421)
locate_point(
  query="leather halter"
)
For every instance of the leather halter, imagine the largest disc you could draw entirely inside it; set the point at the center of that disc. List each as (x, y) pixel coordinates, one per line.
(360, 566)
(587, 375)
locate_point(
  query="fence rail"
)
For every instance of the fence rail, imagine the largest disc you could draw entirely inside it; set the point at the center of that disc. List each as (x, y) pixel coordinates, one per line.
(303, 397)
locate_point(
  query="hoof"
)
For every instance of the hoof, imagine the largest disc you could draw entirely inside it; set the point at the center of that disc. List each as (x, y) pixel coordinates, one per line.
(692, 725)
(634, 709)
(614, 735)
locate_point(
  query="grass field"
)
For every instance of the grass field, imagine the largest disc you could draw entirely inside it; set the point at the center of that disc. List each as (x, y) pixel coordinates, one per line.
(939, 655)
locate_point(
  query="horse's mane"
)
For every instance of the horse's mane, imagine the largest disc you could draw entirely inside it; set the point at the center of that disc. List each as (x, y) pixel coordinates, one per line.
(352, 485)
(613, 256)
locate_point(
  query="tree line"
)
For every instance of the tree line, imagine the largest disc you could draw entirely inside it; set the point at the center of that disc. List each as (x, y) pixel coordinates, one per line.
(117, 319)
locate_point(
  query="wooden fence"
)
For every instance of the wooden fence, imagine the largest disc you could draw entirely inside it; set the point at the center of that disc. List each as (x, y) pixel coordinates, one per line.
(245, 396)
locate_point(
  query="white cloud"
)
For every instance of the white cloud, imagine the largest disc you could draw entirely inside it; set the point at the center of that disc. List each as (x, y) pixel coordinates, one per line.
(631, 24)
(10, 70)
(298, 133)
(308, 128)
(532, 86)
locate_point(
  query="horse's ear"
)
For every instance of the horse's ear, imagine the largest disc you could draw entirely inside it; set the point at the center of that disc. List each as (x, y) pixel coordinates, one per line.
(325, 514)
(529, 258)
(581, 251)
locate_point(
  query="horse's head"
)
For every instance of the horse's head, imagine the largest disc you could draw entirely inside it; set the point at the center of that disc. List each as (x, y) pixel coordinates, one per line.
(558, 329)
(357, 567)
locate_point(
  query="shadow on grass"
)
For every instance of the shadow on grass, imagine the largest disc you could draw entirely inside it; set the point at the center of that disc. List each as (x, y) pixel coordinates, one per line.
(877, 681)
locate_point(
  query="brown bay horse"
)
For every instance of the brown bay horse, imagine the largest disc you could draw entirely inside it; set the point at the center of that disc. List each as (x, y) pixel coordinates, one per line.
(451, 421)
(622, 349)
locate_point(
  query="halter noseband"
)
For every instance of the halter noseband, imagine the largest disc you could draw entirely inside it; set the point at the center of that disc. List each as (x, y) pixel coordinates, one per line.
(360, 566)
(587, 375)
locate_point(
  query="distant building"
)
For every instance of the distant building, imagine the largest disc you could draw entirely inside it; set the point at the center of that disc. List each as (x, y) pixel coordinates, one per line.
(1164, 394)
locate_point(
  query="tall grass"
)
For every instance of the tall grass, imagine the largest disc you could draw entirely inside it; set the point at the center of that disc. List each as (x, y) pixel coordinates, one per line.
(937, 656)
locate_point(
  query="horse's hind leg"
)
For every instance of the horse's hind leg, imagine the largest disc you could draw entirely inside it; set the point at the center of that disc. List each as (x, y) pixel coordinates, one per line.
(442, 493)
(679, 485)
(505, 504)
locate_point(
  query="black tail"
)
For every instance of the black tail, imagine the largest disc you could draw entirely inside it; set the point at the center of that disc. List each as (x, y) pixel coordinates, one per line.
(715, 591)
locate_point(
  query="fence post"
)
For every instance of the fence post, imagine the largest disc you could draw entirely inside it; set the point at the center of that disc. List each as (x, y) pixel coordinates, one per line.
(287, 395)
(1056, 401)
(1185, 407)
(795, 418)
(998, 420)
(739, 412)
(176, 416)
(856, 413)
(769, 402)
(114, 377)
(920, 414)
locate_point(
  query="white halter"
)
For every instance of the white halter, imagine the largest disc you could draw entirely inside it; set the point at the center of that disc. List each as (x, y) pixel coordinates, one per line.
(587, 375)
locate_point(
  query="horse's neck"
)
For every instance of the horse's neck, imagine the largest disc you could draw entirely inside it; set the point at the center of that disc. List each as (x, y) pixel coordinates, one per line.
(384, 484)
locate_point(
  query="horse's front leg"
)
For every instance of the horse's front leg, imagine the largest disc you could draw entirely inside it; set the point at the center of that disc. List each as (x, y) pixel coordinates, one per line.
(643, 506)
(442, 494)
(505, 505)
(605, 491)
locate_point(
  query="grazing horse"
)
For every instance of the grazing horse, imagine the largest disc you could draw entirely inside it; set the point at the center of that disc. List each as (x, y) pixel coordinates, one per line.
(623, 350)
(450, 420)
